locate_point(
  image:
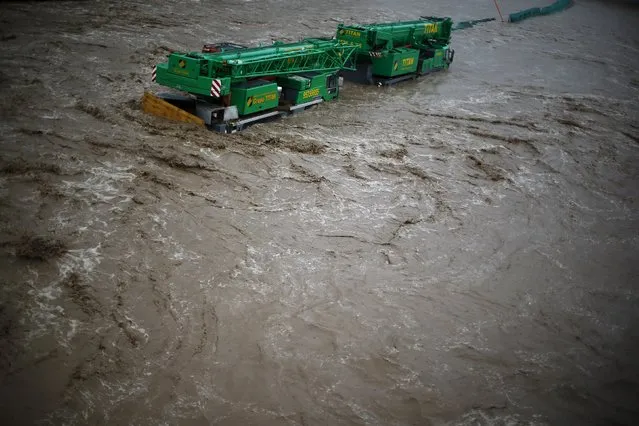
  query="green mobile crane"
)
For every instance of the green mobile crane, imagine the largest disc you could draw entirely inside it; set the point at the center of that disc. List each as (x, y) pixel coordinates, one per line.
(231, 86)
(391, 52)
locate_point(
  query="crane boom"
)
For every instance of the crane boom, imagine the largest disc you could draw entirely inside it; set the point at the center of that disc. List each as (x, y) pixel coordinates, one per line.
(212, 74)
(370, 37)
(316, 58)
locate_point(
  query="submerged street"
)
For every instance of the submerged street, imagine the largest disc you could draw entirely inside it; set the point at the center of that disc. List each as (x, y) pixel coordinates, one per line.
(457, 250)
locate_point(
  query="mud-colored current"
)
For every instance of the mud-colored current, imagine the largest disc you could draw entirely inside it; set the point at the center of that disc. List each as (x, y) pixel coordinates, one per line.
(458, 250)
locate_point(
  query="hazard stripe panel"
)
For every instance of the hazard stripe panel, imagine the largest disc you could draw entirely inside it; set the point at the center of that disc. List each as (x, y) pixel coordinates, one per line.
(216, 87)
(154, 74)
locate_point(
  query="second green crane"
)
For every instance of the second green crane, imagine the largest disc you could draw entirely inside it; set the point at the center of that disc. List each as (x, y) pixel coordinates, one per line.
(391, 52)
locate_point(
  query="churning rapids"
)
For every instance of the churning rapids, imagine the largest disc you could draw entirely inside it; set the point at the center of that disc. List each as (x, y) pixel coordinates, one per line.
(458, 250)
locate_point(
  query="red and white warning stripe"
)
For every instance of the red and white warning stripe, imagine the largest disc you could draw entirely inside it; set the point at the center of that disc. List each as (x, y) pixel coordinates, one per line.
(216, 87)
(154, 74)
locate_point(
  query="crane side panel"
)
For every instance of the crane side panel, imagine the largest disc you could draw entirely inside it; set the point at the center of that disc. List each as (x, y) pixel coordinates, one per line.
(397, 62)
(254, 99)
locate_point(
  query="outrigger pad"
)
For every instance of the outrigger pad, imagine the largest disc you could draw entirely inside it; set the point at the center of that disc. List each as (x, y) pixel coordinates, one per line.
(161, 108)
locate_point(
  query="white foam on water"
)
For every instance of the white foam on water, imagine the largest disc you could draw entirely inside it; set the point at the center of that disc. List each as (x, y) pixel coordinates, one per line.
(479, 417)
(82, 261)
(45, 313)
(136, 327)
(175, 250)
(43, 318)
(157, 220)
(73, 328)
(542, 359)
(209, 153)
(362, 413)
(48, 293)
(101, 186)
(491, 96)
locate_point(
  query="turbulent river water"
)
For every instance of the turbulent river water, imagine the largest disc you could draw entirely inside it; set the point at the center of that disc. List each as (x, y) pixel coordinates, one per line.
(458, 250)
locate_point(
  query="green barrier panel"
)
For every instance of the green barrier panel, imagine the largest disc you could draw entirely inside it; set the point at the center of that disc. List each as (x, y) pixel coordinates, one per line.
(524, 14)
(557, 6)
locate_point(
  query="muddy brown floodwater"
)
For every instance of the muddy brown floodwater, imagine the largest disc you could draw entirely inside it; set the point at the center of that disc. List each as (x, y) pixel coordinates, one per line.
(459, 250)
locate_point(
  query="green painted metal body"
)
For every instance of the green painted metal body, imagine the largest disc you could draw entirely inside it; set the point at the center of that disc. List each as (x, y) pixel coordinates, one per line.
(400, 48)
(435, 59)
(396, 62)
(377, 37)
(299, 89)
(296, 82)
(254, 96)
(190, 78)
(193, 72)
